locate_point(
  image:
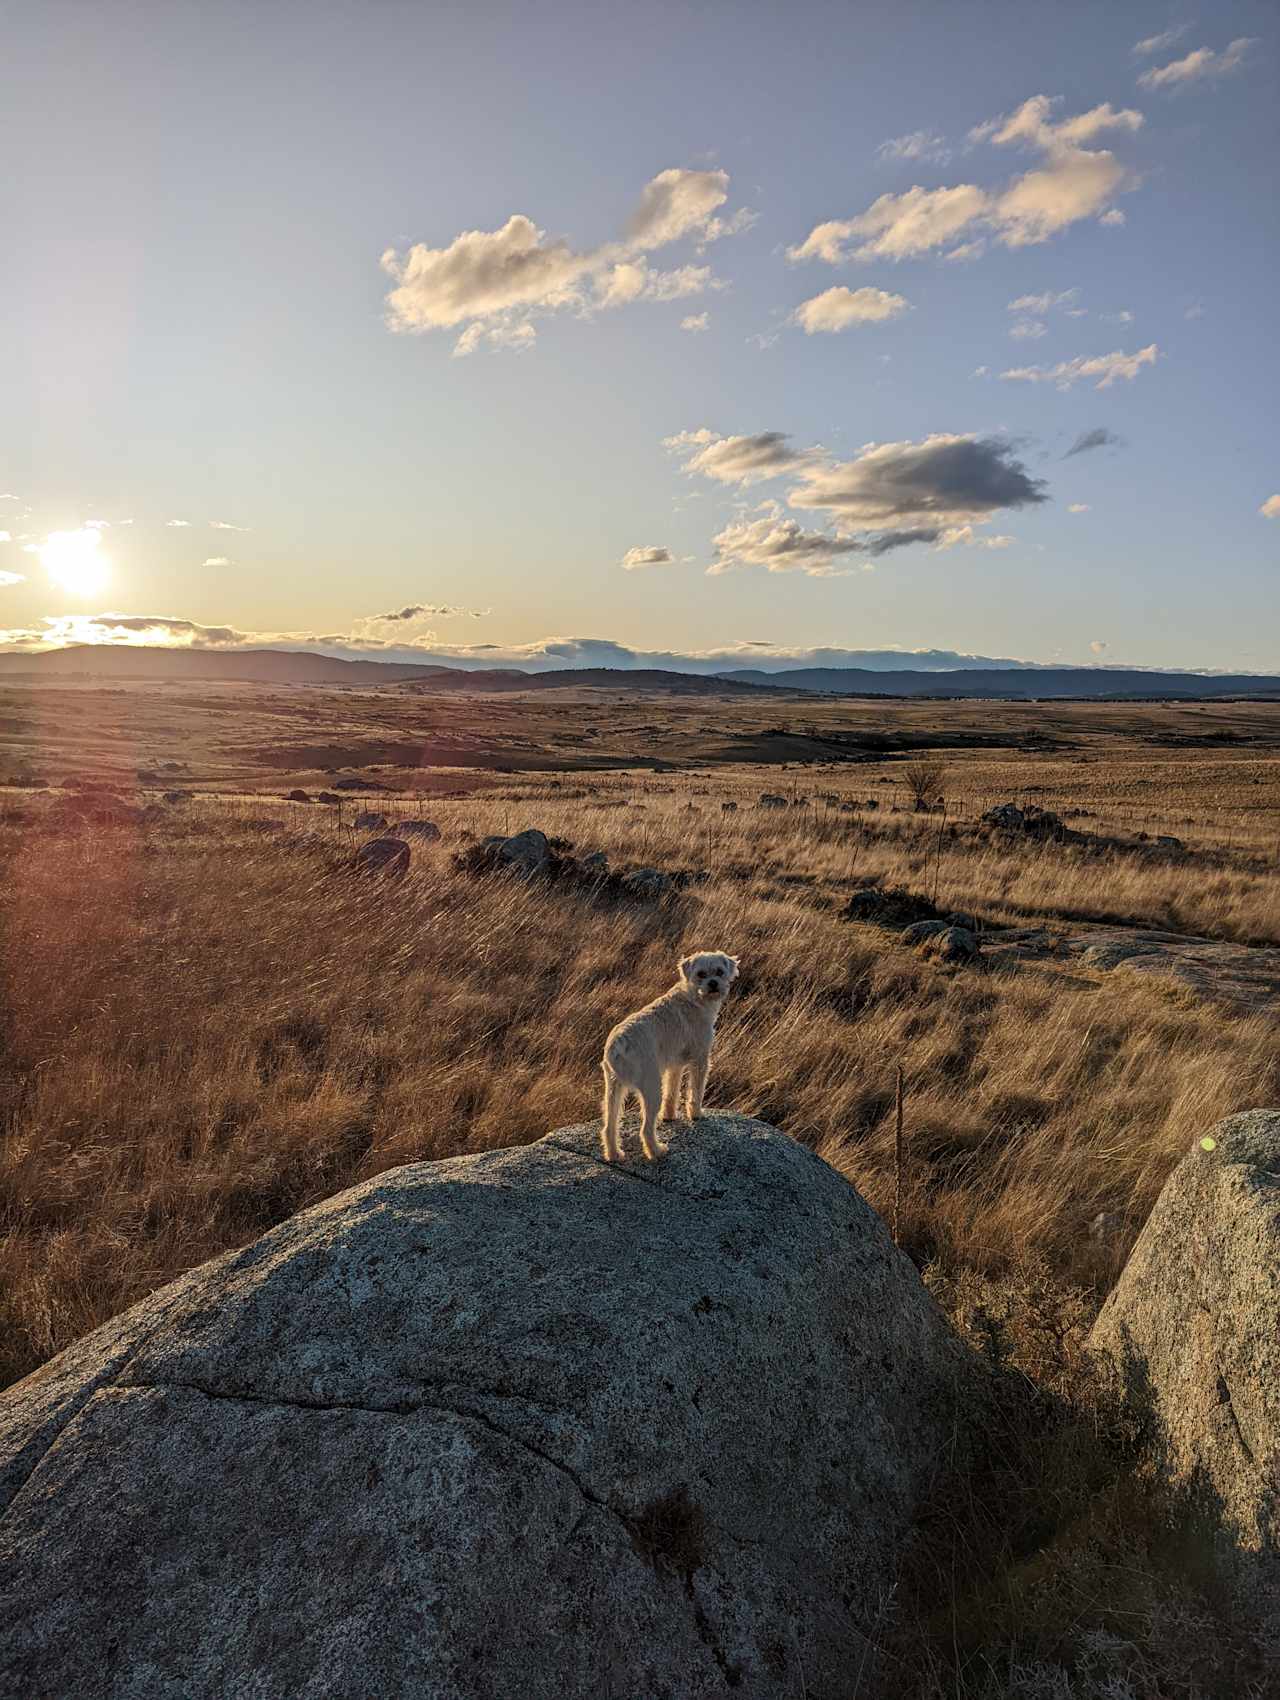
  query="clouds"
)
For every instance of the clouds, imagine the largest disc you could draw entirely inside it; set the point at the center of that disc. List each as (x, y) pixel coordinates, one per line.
(737, 460)
(1099, 646)
(7, 579)
(939, 485)
(1270, 509)
(646, 555)
(178, 524)
(837, 309)
(1106, 368)
(781, 546)
(226, 525)
(695, 322)
(493, 283)
(1201, 66)
(889, 496)
(1157, 43)
(1075, 182)
(1098, 438)
(1077, 507)
(219, 561)
(920, 145)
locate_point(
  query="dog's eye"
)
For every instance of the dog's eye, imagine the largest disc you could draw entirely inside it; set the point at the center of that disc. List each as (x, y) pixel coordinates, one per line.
(701, 974)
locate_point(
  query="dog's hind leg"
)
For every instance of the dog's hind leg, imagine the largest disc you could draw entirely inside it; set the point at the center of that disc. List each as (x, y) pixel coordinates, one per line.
(649, 1086)
(614, 1097)
(672, 1081)
(699, 1068)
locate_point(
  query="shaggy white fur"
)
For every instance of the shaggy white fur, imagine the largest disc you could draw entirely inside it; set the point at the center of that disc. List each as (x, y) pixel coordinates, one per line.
(663, 1046)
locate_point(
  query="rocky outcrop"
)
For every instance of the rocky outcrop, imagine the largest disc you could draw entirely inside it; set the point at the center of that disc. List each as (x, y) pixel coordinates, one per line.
(387, 856)
(508, 1425)
(1240, 975)
(1193, 1327)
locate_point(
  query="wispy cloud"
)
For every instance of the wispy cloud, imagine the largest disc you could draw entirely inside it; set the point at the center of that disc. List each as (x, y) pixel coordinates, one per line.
(1099, 646)
(922, 145)
(695, 322)
(1098, 438)
(837, 309)
(1270, 509)
(494, 283)
(1077, 507)
(1157, 43)
(1201, 66)
(218, 561)
(1075, 181)
(646, 555)
(178, 524)
(1106, 368)
(737, 460)
(226, 525)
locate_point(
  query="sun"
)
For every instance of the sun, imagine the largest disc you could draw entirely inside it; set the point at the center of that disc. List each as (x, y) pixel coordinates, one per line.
(71, 560)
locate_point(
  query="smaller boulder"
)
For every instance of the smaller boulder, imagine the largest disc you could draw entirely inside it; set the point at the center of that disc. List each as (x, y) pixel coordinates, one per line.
(299, 797)
(175, 797)
(426, 830)
(647, 884)
(368, 820)
(770, 800)
(919, 931)
(728, 808)
(526, 853)
(958, 918)
(954, 944)
(350, 782)
(328, 797)
(386, 856)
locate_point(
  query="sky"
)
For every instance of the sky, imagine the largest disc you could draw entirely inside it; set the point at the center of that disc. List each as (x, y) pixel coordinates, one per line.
(606, 334)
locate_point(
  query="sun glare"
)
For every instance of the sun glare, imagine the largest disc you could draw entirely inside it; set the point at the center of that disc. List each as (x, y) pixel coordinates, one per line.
(71, 560)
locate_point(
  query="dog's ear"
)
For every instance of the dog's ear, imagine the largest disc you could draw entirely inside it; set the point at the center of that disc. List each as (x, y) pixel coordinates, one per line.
(686, 964)
(734, 965)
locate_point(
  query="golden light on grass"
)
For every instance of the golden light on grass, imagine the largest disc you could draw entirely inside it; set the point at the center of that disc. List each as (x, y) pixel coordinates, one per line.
(73, 560)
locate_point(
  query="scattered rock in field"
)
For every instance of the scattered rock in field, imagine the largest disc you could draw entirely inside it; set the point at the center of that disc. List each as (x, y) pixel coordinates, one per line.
(532, 855)
(322, 1449)
(147, 776)
(958, 918)
(918, 931)
(383, 856)
(728, 808)
(173, 798)
(1240, 975)
(369, 820)
(328, 797)
(1193, 1328)
(888, 906)
(648, 884)
(953, 944)
(771, 800)
(1029, 822)
(526, 853)
(299, 797)
(426, 830)
(352, 782)
(1171, 845)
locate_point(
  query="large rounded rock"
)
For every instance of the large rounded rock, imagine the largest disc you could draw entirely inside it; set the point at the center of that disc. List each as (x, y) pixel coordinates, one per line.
(511, 1425)
(1194, 1328)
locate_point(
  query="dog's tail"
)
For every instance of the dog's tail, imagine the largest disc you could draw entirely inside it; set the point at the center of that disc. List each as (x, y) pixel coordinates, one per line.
(611, 1110)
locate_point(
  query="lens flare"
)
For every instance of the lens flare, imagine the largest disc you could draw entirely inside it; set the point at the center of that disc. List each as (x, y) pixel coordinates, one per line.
(72, 560)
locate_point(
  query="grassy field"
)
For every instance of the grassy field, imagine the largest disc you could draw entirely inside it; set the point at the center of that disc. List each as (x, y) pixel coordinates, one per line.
(206, 1025)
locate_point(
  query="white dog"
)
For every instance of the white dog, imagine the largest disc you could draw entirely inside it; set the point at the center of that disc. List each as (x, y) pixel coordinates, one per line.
(662, 1045)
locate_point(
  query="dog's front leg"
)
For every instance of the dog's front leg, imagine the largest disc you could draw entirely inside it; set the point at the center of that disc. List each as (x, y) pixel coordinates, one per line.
(697, 1085)
(672, 1081)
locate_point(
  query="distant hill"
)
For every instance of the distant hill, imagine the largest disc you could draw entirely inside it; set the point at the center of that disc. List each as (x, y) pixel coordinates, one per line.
(120, 662)
(1014, 683)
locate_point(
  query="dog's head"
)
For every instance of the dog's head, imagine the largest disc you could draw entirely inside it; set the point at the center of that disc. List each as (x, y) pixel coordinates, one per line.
(709, 974)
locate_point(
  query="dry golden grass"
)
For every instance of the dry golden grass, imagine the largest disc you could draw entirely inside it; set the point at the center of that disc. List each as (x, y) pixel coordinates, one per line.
(204, 1028)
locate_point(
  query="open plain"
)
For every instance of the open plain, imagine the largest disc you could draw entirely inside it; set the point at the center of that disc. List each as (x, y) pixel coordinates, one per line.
(209, 1020)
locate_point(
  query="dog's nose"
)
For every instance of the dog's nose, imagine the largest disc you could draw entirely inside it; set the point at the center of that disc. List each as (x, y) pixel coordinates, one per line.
(713, 985)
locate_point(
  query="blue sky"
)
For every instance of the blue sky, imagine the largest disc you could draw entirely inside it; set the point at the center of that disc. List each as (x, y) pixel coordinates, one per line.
(239, 289)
